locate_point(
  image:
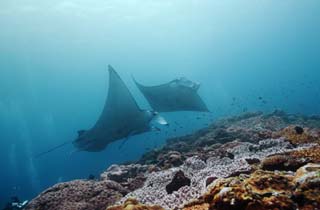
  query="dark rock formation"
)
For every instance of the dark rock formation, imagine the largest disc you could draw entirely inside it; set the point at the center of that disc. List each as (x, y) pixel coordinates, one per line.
(179, 180)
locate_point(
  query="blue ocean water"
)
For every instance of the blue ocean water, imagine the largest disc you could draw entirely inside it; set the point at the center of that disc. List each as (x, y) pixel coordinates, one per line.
(257, 55)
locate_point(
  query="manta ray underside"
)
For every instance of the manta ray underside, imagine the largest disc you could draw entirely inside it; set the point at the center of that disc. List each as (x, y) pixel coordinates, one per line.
(120, 118)
(178, 95)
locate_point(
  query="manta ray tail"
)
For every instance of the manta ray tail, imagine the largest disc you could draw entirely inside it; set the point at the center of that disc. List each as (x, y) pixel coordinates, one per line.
(52, 149)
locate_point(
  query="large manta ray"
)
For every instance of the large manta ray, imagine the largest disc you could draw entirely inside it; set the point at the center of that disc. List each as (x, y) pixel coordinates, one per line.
(120, 118)
(178, 95)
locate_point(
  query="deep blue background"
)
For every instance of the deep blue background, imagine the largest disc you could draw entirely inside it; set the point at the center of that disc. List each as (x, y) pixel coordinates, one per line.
(53, 77)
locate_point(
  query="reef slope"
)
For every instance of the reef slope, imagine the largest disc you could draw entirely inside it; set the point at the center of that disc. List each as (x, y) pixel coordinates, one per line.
(247, 162)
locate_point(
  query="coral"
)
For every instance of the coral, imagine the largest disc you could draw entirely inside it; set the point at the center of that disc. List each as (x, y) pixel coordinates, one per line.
(298, 135)
(205, 173)
(264, 190)
(129, 176)
(308, 180)
(263, 182)
(203, 206)
(311, 154)
(261, 149)
(121, 173)
(282, 162)
(249, 127)
(194, 163)
(78, 195)
(292, 160)
(170, 159)
(132, 204)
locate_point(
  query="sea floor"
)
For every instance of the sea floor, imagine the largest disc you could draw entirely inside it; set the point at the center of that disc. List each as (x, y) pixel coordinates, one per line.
(254, 161)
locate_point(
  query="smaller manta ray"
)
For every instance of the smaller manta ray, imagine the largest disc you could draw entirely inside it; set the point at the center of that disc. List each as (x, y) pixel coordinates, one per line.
(178, 95)
(120, 118)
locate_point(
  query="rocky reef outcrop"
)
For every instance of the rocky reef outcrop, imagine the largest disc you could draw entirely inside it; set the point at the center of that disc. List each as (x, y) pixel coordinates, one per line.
(248, 162)
(80, 195)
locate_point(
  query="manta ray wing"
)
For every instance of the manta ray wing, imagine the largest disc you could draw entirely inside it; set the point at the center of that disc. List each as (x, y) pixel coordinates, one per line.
(120, 118)
(173, 96)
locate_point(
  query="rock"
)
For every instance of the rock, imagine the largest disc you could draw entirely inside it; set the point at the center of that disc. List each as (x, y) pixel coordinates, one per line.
(179, 180)
(299, 130)
(210, 179)
(78, 195)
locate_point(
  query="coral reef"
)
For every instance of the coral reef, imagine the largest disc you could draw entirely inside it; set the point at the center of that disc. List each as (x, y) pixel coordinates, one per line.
(248, 162)
(249, 127)
(200, 171)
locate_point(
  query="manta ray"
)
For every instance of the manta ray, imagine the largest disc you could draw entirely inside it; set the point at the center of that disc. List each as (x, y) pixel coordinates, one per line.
(177, 95)
(121, 118)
